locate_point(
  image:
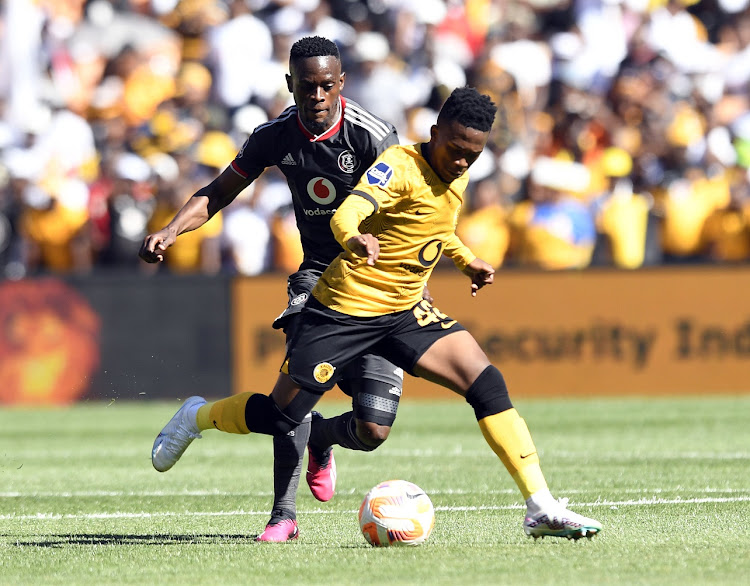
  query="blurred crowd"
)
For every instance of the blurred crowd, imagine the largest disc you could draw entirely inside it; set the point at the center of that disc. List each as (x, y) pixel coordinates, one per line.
(622, 139)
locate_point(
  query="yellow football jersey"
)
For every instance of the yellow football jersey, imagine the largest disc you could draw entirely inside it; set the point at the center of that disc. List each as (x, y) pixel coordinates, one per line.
(403, 203)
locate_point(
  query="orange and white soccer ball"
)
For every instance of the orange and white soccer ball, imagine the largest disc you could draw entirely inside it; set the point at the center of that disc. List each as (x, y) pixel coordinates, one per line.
(396, 512)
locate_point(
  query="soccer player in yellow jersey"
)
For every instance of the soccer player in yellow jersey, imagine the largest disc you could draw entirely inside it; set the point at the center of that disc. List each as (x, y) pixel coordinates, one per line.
(393, 227)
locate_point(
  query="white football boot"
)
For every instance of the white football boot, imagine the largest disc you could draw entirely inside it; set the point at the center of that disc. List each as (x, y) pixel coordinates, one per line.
(177, 435)
(556, 520)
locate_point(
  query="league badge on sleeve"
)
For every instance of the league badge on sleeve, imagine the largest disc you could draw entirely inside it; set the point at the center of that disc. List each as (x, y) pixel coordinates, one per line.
(379, 174)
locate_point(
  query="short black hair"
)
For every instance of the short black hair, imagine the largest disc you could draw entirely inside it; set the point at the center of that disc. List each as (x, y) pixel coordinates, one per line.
(314, 46)
(469, 108)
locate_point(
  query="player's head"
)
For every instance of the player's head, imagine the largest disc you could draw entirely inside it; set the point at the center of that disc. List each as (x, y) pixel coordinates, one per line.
(462, 129)
(315, 80)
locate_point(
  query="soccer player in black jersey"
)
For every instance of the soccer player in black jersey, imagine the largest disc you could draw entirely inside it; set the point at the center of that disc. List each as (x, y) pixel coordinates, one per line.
(322, 144)
(393, 228)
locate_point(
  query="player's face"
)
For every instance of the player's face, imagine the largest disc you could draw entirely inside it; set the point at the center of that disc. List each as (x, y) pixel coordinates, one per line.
(316, 84)
(453, 148)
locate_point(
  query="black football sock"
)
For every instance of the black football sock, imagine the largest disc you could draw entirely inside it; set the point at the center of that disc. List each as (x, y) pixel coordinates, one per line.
(288, 452)
(336, 431)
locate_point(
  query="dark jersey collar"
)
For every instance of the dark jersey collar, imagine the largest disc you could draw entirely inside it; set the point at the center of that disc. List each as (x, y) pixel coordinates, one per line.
(328, 133)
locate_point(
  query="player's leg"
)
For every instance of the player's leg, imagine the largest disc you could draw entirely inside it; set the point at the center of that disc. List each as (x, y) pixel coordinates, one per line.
(288, 453)
(320, 347)
(470, 374)
(275, 414)
(375, 387)
(289, 449)
(457, 362)
(429, 344)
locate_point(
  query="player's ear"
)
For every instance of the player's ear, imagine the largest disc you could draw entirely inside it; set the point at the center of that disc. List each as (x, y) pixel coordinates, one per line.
(289, 85)
(342, 80)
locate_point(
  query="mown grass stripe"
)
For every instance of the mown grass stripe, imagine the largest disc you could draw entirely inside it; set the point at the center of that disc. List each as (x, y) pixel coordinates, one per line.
(144, 515)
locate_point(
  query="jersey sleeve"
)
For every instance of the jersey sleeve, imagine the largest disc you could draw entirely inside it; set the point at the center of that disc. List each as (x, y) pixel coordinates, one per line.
(345, 222)
(390, 140)
(378, 188)
(458, 252)
(256, 154)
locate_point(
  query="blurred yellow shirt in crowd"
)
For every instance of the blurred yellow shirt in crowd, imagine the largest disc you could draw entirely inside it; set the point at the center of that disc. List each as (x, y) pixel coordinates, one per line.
(727, 234)
(686, 207)
(624, 219)
(185, 255)
(486, 233)
(53, 231)
(144, 90)
(287, 246)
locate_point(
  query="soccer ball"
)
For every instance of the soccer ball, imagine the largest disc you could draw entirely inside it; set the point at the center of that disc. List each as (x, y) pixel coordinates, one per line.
(396, 512)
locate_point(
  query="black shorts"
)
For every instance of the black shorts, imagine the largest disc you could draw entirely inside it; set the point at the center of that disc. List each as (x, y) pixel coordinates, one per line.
(369, 367)
(326, 341)
(298, 289)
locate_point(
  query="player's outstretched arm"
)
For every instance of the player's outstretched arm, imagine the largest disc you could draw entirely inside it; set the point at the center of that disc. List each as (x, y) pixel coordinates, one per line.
(480, 273)
(198, 210)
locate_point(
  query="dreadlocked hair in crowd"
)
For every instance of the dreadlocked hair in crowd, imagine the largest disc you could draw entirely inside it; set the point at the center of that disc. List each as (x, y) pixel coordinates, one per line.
(313, 46)
(469, 108)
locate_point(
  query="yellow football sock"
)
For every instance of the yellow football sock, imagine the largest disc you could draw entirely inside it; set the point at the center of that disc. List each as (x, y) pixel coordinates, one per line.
(509, 438)
(225, 414)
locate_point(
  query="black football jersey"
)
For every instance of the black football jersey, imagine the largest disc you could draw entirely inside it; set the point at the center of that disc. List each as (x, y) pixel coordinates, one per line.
(320, 170)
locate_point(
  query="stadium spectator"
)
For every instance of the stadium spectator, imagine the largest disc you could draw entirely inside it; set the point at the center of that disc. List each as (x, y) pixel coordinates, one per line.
(552, 228)
(483, 224)
(726, 233)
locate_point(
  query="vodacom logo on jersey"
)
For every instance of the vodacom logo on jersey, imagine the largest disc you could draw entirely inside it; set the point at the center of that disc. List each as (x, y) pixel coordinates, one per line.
(321, 190)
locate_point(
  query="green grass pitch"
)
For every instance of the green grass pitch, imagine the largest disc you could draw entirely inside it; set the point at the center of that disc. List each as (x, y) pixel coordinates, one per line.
(669, 478)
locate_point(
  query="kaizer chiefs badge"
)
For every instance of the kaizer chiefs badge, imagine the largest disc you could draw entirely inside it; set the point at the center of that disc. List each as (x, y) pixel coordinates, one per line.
(323, 372)
(348, 163)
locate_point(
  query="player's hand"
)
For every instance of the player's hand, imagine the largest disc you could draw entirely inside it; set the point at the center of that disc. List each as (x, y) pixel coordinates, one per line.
(480, 273)
(365, 245)
(154, 245)
(427, 296)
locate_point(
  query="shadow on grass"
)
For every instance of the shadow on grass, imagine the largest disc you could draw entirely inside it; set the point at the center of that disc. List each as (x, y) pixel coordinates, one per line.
(126, 539)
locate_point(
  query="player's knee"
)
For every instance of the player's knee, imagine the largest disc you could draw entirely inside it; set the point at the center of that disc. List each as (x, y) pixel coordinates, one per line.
(371, 435)
(262, 415)
(488, 394)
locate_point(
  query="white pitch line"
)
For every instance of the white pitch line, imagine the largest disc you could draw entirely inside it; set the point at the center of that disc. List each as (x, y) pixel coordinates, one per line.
(598, 503)
(351, 491)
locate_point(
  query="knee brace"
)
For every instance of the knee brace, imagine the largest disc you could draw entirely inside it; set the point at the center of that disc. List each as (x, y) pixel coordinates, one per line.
(375, 401)
(488, 394)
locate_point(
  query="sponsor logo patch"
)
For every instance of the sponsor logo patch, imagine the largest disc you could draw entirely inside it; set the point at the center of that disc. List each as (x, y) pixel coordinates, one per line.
(323, 372)
(380, 174)
(321, 190)
(320, 212)
(301, 298)
(395, 391)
